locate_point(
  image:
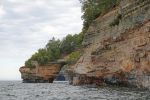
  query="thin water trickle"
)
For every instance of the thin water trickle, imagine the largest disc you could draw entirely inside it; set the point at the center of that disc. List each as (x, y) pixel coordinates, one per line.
(15, 90)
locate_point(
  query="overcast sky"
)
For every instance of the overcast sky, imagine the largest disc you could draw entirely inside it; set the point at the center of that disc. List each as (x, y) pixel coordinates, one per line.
(27, 25)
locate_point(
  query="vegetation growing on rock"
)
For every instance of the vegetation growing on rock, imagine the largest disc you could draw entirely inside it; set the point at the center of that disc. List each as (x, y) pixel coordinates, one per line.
(73, 57)
(71, 44)
(94, 8)
(56, 49)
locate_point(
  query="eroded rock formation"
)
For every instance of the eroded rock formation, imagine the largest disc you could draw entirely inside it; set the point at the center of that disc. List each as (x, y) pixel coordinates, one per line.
(40, 74)
(117, 47)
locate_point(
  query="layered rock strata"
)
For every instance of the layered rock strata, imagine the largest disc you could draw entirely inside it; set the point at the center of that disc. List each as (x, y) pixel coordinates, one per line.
(117, 47)
(40, 74)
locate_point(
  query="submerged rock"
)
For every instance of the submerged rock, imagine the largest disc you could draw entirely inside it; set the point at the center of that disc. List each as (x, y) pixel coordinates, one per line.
(118, 54)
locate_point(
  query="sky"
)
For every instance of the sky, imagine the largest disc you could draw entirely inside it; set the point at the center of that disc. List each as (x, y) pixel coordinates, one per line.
(27, 25)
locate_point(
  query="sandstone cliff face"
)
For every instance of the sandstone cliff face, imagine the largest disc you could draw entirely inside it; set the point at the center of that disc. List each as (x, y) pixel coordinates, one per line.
(42, 74)
(117, 47)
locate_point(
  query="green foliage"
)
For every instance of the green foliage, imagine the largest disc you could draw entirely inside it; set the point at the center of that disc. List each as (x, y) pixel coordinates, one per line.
(71, 43)
(41, 57)
(94, 8)
(28, 63)
(73, 57)
(50, 53)
(55, 49)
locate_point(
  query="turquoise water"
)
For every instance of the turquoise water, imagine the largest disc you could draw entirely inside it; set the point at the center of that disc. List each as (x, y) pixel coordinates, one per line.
(15, 90)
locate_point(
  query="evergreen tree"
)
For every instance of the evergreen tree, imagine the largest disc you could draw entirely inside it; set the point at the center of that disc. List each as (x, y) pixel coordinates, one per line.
(55, 49)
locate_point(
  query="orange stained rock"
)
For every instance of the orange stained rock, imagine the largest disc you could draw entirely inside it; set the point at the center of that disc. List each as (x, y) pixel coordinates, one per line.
(45, 72)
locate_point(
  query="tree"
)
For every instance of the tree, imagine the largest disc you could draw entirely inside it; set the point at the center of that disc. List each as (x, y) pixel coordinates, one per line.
(94, 8)
(50, 53)
(55, 49)
(71, 43)
(67, 44)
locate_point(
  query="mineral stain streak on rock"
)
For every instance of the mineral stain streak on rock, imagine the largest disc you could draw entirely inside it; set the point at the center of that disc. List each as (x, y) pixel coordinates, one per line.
(117, 53)
(41, 74)
(116, 50)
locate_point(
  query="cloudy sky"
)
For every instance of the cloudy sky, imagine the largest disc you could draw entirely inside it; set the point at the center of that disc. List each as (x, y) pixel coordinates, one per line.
(27, 25)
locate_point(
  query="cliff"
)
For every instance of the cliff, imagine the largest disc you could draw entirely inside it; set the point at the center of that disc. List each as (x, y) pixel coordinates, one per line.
(40, 74)
(117, 47)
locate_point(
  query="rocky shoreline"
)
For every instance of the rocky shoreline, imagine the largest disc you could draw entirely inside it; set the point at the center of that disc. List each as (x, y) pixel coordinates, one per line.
(118, 53)
(116, 50)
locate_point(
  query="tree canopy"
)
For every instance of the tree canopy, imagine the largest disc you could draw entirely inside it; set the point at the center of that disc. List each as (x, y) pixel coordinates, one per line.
(71, 43)
(55, 49)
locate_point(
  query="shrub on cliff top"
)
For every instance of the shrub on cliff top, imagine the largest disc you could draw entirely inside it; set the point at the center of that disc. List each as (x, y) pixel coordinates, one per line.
(50, 53)
(55, 49)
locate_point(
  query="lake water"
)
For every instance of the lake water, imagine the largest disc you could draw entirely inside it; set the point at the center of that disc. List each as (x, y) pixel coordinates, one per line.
(15, 90)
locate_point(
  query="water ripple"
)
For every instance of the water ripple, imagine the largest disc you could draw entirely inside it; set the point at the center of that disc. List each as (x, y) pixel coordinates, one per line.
(13, 90)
